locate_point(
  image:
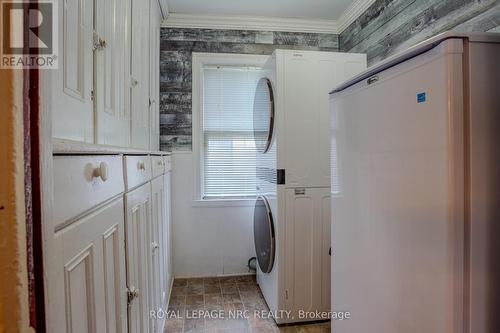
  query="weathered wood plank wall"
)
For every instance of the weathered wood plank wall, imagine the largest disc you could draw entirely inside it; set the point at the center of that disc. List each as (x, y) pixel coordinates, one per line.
(389, 26)
(175, 68)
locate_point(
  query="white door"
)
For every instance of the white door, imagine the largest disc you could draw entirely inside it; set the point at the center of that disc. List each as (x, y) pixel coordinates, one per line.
(157, 264)
(90, 281)
(72, 83)
(112, 111)
(137, 226)
(154, 85)
(397, 207)
(139, 74)
(307, 264)
(168, 241)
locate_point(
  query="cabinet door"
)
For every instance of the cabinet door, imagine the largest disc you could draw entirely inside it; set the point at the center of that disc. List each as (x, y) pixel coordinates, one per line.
(155, 20)
(113, 118)
(139, 74)
(157, 262)
(307, 264)
(90, 280)
(308, 77)
(137, 225)
(301, 132)
(71, 84)
(168, 237)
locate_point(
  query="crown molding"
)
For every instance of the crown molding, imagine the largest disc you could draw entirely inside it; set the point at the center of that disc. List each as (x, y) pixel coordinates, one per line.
(352, 12)
(205, 21)
(178, 20)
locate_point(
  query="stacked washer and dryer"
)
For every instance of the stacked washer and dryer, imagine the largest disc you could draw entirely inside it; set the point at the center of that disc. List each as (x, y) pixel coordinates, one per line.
(292, 210)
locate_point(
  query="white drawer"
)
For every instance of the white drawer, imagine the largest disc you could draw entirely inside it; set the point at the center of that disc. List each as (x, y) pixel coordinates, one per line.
(168, 163)
(137, 170)
(157, 165)
(83, 182)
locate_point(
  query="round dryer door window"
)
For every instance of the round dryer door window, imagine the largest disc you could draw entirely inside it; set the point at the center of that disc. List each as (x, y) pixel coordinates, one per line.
(264, 237)
(263, 115)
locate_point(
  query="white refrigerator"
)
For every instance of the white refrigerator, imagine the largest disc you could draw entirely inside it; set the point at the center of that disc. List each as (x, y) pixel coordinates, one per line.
(415, 159)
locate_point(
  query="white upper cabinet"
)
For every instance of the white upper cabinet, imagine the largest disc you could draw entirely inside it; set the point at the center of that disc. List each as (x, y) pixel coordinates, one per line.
(139, 74)
(112, 111)
(71, 83)
(106, 90)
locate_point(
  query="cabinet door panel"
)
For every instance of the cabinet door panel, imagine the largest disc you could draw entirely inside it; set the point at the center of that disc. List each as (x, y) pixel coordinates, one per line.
(138, 221)
(154, 74)
(114, 273)
(325, 220)
(307, 138)
(307, 262)
(89, 284)
(168, 259)
(113, 118)
(80, 294)
(139, 74)
(157, 266)
(301, 132)
(71, 83)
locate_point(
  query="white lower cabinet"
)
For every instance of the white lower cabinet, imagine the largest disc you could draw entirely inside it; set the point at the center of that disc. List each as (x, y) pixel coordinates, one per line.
(148, 249)
(89, 290)
(110, 269)
(138, 224)
(307, 264)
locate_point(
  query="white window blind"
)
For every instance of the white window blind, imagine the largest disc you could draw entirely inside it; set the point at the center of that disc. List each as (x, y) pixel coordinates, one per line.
(228, 160)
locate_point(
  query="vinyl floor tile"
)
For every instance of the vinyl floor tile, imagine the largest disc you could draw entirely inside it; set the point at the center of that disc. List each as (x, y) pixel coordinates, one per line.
(226, 299)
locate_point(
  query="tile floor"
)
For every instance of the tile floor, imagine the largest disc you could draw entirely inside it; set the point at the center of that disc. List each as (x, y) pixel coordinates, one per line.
(224, 296)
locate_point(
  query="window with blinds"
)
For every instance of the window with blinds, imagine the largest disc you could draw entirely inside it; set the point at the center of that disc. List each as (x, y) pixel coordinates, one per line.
(228, 154)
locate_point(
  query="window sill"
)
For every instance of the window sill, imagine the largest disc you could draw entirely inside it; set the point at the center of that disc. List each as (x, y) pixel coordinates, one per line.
(223, 203)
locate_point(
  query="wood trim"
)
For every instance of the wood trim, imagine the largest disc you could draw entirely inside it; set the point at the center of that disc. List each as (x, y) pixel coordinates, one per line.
(32, 189)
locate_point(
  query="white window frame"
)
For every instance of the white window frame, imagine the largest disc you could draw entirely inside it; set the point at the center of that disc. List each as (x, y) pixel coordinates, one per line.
(199, 61)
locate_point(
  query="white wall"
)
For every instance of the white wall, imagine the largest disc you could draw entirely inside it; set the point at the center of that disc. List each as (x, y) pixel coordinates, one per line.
(209, 239)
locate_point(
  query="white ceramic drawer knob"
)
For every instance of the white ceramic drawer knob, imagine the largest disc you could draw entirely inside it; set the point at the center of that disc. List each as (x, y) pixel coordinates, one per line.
(142, 166)
(160, 162)
(101, 171)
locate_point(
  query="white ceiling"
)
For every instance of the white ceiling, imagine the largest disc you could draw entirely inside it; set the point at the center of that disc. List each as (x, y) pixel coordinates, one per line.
(303, 9)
